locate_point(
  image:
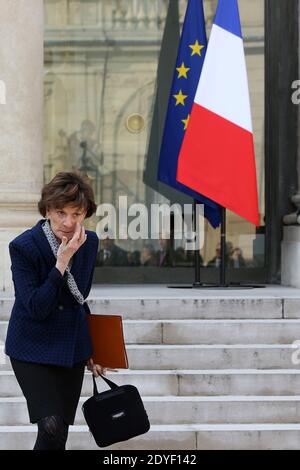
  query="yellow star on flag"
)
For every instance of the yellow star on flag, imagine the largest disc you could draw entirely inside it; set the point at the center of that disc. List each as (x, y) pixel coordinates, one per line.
(185, 122)
(180, 98)
(196, 48)
(182, 71)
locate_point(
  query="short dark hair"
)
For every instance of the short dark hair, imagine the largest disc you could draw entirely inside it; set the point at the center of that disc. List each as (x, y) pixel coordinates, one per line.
(68, 188)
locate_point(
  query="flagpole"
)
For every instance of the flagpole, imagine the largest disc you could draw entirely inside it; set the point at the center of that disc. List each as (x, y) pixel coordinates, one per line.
(197, 281)
(197, 284)
(223, 248)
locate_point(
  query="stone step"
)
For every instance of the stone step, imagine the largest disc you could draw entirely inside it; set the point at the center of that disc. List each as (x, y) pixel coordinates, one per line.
(187, 410)
(159, 302)
(205, 331)
(184, 308)
(220, 356)
(211, 331)
(188, 382)
(180, 306)
(173, 437)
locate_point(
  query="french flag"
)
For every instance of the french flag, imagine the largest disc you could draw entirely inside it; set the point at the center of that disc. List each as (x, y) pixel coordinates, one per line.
(217, 154)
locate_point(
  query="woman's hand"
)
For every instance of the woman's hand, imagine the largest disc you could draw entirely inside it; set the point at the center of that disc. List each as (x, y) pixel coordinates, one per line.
(67, 249)
(97, 369)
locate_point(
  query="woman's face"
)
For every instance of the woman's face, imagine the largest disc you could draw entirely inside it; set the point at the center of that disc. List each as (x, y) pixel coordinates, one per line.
(63, 221)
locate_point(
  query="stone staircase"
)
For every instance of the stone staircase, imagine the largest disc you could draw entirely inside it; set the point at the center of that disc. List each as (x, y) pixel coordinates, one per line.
(215, 369)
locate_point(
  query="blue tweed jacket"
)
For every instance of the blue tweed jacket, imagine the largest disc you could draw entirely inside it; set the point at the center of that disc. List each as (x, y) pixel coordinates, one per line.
(47, 325)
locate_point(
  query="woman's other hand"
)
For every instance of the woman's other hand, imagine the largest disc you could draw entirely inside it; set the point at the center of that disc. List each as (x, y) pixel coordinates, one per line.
(97, 369)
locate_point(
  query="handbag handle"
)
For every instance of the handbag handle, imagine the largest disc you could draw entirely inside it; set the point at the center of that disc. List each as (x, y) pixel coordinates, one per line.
(109, 382)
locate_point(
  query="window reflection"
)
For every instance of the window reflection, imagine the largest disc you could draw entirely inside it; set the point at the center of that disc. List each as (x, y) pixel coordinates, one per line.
(101, 60)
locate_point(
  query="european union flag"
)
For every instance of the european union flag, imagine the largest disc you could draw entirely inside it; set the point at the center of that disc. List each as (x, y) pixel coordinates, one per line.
(190, 58)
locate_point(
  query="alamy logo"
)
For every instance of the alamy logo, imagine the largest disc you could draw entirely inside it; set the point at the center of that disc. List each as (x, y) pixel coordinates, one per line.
(296, 354)
(296, 94)
(2, 92)
(2, 353)
(138, 221)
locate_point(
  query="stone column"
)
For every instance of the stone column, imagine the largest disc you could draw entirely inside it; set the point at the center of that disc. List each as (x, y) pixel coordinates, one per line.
(21, 122)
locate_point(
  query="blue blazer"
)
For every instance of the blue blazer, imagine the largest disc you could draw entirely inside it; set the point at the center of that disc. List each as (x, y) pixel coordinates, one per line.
(47, 325)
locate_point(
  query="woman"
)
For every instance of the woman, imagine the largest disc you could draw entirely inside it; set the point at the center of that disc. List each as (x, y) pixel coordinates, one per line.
(47, 339)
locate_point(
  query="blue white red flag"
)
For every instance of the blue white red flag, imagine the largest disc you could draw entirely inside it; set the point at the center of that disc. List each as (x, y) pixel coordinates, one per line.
(217, 154)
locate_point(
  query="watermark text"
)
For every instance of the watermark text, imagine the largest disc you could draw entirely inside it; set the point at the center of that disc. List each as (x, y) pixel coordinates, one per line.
(138, 221)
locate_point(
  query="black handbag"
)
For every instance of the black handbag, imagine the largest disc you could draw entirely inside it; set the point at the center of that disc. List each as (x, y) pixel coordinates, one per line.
(115, 415)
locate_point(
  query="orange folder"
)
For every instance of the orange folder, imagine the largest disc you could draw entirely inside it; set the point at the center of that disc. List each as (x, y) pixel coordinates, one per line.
(108, 341)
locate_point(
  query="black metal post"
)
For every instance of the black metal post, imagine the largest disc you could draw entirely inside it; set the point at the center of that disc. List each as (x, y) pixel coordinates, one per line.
(223, 249)
(223, 264)
(197, 281)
